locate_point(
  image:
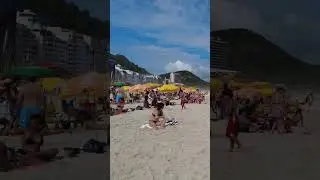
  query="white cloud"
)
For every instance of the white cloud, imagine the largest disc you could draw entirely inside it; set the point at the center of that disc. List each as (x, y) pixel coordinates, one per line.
(176, 22)
(178, 66)
(176, 25)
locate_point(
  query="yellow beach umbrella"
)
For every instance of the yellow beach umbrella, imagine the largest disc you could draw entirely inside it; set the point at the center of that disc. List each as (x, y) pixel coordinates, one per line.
(49, 84)
(126, 88)
(266, 91)
(169, 88)
(216, 84)
(259, 84)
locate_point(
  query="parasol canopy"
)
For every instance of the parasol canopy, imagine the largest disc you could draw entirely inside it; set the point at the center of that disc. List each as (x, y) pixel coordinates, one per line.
(92, 81)
(49, 84)
(126, 88)
(169, 88)
(119, 84)
(189, 90)
(152, 85)
(138, 88)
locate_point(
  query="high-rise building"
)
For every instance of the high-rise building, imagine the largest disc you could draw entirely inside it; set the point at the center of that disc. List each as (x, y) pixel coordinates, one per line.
(38, 43)
(218, 54)
(7, 34)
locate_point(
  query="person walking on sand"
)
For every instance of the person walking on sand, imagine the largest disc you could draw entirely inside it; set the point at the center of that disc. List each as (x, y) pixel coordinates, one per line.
(183, 101)
(232, 130)
(31, 101)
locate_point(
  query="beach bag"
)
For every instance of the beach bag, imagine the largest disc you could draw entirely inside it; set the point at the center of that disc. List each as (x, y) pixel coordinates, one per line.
(94, 146)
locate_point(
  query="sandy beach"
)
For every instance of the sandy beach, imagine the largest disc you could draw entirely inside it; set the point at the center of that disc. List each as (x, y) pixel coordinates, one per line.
(268, 156)
(179, 152)
(84, 167)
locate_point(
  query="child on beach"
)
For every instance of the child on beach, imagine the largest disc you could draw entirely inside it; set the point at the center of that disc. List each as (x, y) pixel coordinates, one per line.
(232, 130)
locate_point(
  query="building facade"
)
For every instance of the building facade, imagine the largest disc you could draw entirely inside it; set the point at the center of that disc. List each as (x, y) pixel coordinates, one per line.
(218, 54)
(38, 43)
(7, 36)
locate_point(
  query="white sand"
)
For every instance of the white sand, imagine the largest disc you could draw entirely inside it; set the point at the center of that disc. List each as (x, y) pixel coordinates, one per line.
(179, 152)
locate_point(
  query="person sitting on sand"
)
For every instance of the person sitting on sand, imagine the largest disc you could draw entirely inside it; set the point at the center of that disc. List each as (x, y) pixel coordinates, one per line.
(157, 117)
(32, 140)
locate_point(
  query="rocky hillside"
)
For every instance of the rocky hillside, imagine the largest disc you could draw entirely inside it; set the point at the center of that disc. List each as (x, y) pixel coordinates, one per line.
(255, 56)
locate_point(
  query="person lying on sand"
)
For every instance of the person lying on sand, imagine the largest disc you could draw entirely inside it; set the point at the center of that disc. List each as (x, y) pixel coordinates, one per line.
(32, 140)
(157, 117)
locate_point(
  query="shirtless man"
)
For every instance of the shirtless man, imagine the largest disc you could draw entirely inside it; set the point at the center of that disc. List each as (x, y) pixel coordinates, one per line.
(30, 100)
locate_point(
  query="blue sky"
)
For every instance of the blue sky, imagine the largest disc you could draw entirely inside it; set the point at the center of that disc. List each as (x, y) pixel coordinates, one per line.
(163, 35)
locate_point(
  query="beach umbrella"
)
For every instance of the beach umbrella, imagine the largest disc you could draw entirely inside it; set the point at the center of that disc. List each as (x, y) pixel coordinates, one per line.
(119, 84)
(92, 81)
(266, 91)
(247, 92)
(139, 88)
(260, 84)
(31, 71)
(216, 84)
(189, 90)
(169, 88)
(152, 85)
(49, 84)
(126, 88)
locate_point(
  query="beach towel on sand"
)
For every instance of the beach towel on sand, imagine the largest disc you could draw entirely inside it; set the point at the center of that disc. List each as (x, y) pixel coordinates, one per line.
(169, 122)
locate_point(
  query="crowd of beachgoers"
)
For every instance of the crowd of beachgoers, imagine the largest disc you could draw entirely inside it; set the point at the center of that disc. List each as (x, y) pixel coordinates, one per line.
(274, 111)
(152, 98)
(29, 111)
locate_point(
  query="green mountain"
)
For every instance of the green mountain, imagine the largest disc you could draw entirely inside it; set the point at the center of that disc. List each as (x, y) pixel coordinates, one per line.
(67, 15)
(187, 78)
(127, 64)
(254, 56)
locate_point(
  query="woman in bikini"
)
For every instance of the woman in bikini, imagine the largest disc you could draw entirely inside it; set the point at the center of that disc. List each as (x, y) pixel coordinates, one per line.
(157, 117)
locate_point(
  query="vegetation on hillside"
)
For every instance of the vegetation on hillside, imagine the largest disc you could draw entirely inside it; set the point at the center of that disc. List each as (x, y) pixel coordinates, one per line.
(187, 78)
(67, 15)
(255, 56)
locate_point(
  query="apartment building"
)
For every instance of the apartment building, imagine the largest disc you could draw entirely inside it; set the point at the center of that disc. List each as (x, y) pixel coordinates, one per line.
(218, 54)
(7, 37)
(43, 44)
